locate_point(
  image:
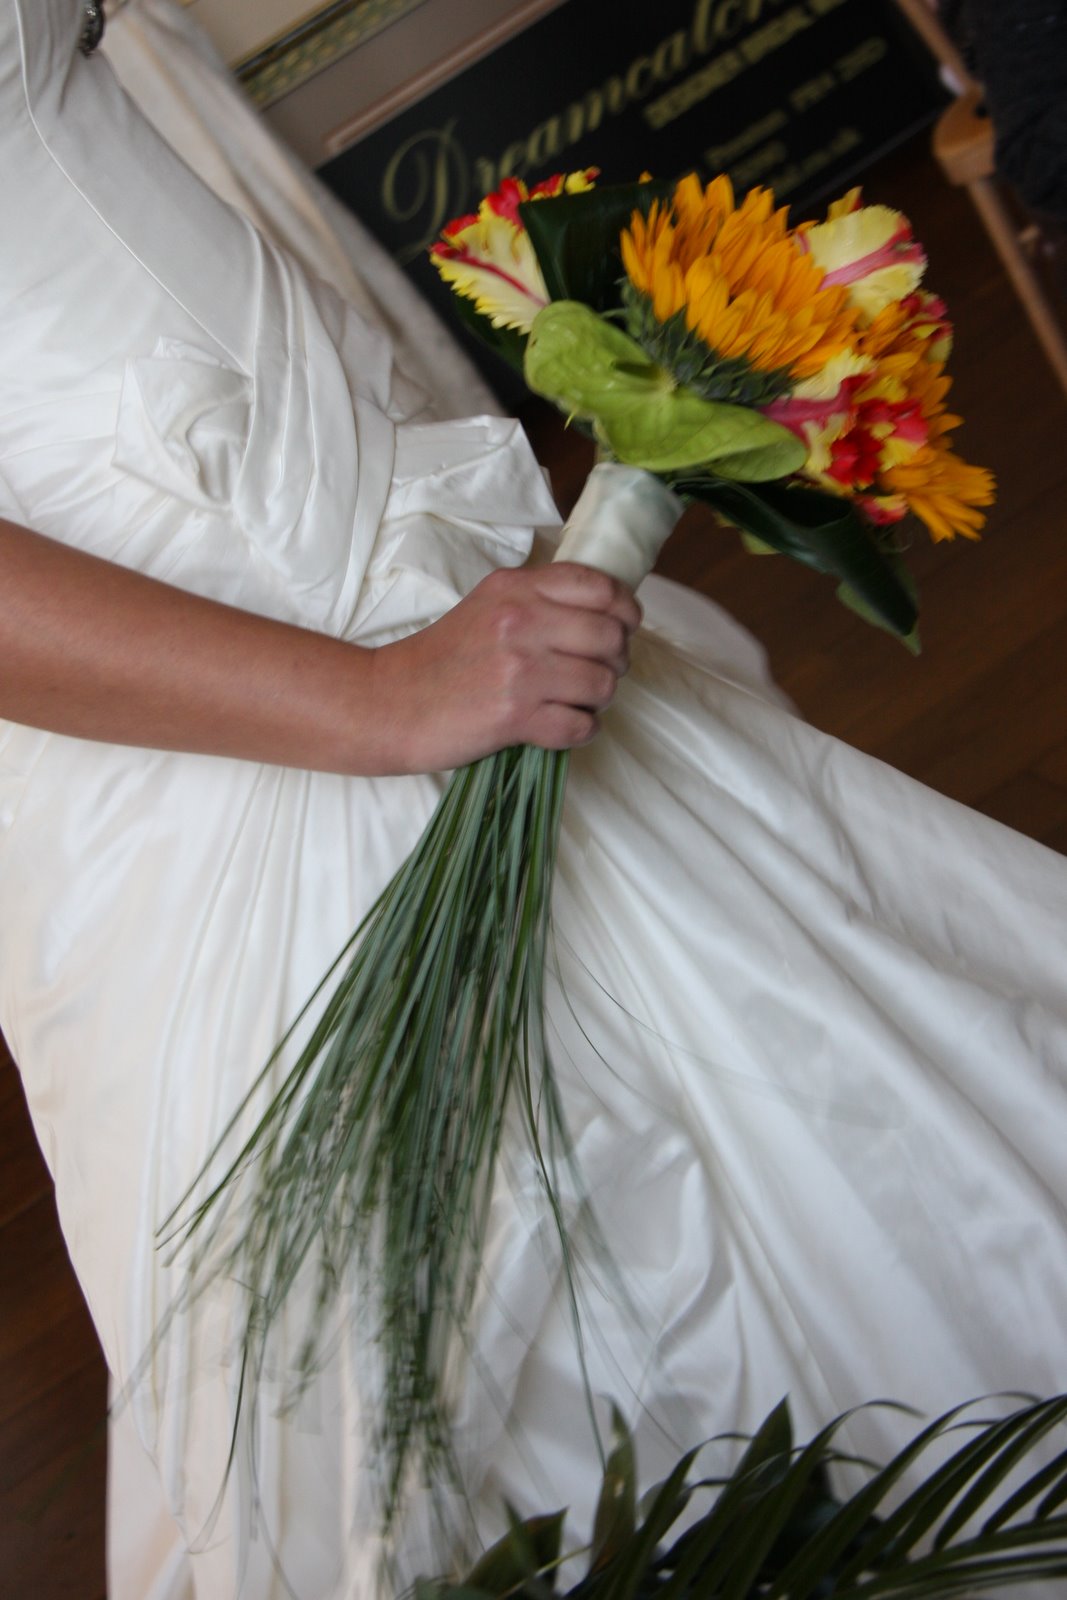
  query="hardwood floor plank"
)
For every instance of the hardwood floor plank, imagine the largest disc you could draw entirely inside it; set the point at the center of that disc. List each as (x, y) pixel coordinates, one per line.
(1053, 764)
(52, 1490)
(1007, 719)
(44, 1315)
(24, 1178)
(1032, 805)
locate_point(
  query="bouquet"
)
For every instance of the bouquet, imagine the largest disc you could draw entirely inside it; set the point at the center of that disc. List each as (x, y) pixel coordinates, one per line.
(793, 379)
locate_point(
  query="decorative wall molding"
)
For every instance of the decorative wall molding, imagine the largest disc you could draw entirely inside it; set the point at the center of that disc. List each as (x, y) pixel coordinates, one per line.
(465, 53)
(316, 42)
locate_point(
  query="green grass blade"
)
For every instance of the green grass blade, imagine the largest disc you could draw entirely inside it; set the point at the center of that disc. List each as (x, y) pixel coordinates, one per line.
(383, 1137)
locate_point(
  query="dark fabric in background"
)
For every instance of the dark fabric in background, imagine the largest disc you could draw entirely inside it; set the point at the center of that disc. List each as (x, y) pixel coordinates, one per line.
(1018, 51)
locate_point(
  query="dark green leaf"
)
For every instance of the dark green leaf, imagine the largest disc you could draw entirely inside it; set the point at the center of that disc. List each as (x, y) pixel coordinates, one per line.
(772, 1441)
(575, 238)
(820, 530)
(776, 1530)
(964, 1571)
(855, 602)
(1055, 1474)
(1021, 1433)
(439, 1589)
(790, 1504)
(525, 1550)
(507, 343)
(834, 1543)
(731, 1545)
(623, 1579)
(905, 1527)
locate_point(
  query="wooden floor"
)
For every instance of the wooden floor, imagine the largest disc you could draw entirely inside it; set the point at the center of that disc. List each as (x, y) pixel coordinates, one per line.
(982, 716)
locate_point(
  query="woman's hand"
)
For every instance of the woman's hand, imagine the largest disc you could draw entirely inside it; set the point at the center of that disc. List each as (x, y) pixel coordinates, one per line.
(528, 657)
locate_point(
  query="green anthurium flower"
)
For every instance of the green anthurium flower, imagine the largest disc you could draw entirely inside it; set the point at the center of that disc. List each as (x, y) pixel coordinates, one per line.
(594, 370)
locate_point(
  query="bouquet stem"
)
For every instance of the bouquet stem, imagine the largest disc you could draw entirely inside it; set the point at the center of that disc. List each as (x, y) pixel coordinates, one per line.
(380, 1146)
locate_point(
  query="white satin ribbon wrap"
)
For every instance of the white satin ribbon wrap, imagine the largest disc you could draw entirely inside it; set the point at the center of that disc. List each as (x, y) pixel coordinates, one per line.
(620, 522)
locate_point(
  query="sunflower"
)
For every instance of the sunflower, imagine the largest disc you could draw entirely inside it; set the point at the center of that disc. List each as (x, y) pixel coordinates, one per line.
(726, 298)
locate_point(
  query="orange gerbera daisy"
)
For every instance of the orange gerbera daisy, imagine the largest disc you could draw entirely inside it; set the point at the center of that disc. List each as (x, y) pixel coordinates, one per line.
(885, 438)
(734, 278)
(937, 486)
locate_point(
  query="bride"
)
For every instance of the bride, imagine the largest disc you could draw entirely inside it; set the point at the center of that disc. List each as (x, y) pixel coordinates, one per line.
(810, 1018)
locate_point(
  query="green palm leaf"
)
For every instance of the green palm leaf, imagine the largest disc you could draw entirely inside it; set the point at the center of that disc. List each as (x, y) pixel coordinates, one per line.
(616, 1512)
(776, 1531)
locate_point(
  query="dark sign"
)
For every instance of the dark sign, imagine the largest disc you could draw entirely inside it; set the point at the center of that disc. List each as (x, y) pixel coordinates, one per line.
(799, 95)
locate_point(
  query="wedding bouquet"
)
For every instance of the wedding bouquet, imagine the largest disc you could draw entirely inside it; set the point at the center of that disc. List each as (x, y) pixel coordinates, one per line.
(793, 379)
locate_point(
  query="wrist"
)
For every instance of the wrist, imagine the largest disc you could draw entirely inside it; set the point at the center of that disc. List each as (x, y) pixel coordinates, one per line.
(383, 733)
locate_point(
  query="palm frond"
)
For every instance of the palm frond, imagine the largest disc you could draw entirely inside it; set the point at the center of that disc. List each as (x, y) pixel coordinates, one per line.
(775, 1530)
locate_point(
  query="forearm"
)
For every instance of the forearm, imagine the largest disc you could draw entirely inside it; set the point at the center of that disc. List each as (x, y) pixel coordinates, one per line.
(95, 650)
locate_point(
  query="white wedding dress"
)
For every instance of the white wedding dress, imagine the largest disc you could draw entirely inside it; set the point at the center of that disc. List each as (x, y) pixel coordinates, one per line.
(813, 1028)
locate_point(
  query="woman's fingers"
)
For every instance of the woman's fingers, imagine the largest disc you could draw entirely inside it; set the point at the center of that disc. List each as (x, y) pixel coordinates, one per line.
(528, 657)
(573, 635)
(559, 727)
(568, 583)
(566, 610)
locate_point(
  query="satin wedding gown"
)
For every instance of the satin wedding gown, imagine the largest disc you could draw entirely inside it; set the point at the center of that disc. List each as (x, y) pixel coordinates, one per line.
(810, 1020)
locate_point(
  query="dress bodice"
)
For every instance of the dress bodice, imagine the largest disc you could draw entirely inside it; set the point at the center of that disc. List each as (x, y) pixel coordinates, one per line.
(178, 396)
(148, 337)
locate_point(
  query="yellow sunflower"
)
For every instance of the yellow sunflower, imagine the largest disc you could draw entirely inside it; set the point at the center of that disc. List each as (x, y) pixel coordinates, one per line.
(736, 279)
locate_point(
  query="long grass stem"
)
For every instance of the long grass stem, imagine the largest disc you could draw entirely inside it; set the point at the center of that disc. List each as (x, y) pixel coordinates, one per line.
(378, 1151)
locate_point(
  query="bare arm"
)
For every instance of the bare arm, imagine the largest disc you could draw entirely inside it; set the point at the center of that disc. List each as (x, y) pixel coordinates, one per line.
(91, 649)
